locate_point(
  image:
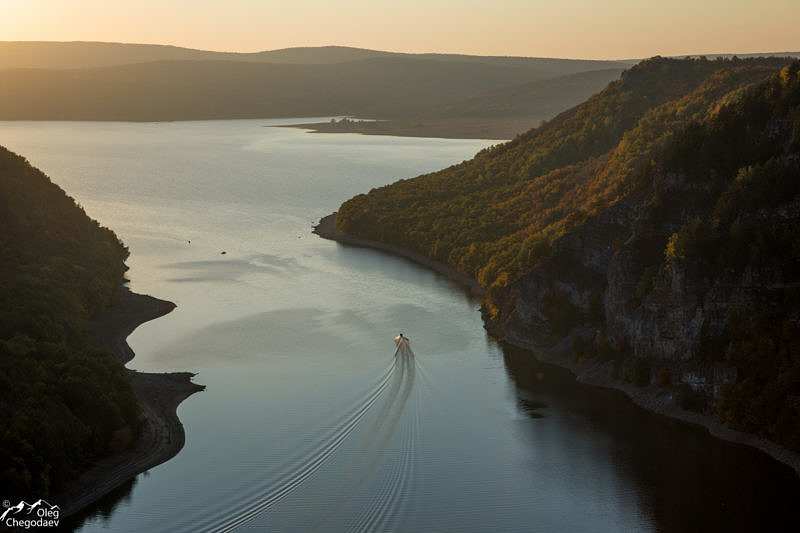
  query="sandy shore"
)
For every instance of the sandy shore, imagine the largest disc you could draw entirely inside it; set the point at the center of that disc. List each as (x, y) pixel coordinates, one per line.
(159, 396)
(590, 373)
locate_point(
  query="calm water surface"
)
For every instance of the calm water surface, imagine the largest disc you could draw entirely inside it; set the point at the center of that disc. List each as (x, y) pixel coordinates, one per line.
(309, 422)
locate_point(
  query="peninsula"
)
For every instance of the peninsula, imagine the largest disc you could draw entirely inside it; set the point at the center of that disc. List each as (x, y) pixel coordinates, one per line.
(78, 424)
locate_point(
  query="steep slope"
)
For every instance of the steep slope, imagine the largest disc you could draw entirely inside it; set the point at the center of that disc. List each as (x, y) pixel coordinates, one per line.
(494, 216)
(538, 99)
(663, 213)
(61, 403)
(697, 271)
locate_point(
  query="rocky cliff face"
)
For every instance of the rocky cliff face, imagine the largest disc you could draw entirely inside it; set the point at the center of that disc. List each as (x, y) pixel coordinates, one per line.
(664, 310)
(575, 271)
(690, 282)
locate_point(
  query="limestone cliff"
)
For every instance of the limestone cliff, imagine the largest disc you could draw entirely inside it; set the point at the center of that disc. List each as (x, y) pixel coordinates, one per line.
(674, 276)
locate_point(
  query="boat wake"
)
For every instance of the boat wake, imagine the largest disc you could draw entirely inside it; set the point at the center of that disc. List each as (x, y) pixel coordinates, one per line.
(387, 447)
(379, 450)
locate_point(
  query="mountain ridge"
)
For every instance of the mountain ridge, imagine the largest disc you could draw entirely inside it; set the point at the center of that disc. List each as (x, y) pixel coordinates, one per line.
(388, 87)
(116, 81)
(50, 54)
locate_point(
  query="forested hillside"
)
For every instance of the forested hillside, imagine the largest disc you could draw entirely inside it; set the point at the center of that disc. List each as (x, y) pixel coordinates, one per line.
(495, 216)
(665, 207)
(61, 403)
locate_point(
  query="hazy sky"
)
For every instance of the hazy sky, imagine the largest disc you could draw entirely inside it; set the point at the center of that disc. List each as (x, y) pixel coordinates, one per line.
(546, 28)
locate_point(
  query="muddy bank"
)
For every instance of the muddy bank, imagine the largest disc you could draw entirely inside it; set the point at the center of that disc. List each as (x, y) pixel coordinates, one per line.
(159, 396)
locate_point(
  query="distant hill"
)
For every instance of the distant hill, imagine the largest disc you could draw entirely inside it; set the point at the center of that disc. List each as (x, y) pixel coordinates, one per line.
(78, 55)
(449, 95)
(139, 82)
(541, 99)
(385, 87)
(74, 55)
(499, 113)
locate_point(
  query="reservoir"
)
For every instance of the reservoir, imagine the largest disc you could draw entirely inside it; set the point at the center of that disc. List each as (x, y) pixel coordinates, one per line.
(309, 421)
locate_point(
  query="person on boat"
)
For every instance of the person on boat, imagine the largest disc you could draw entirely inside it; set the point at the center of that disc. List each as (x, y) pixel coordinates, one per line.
(401, 341)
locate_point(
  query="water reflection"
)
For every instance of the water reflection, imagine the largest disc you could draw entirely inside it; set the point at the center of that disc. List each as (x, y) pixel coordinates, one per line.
(102, 509)
(685, 479)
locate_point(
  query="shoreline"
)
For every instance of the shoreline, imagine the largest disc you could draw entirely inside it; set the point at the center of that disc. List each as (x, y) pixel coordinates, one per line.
(326, 228)
(498, 129)
(159, 395)
(591, 374)
(651, 398)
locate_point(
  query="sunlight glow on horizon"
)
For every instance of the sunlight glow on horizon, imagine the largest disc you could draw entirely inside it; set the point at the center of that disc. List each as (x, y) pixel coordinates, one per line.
(615, 29)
